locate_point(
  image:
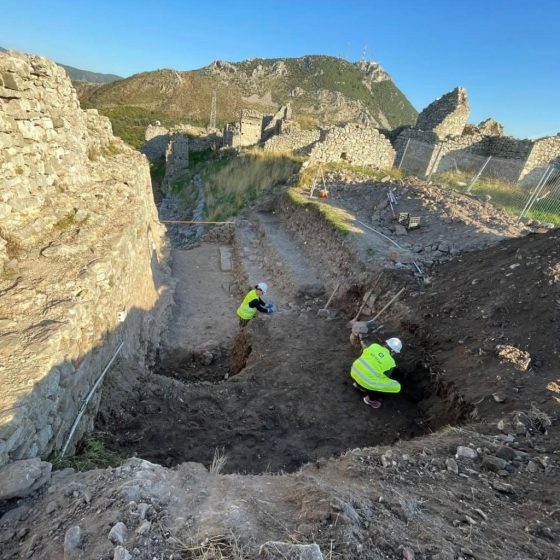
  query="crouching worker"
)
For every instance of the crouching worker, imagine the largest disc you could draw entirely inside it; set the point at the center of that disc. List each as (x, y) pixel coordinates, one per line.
(372, 371)
(252, 303)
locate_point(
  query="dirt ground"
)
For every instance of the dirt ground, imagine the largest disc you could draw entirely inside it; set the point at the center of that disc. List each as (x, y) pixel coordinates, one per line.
(450, 222)
(480, 354)
(489, 323)
(293, 402)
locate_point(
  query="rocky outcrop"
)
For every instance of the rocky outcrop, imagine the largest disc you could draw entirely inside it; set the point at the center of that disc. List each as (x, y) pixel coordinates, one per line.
(83, 269)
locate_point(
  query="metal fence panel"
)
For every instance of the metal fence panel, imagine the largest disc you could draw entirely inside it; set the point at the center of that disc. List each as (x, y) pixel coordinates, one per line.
(533, 194)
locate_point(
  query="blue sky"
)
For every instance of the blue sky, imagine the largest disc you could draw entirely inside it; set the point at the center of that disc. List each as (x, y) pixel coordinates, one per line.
(505, 52)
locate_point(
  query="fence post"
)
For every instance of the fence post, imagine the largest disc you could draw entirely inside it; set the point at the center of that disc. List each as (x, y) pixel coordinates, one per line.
(477, 176)
(404, 153)
(532, 196)
(549, 205)
(435, 163)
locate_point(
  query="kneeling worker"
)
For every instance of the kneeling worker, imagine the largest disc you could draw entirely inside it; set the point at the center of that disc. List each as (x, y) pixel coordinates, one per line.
(253, 303)
(372, 371)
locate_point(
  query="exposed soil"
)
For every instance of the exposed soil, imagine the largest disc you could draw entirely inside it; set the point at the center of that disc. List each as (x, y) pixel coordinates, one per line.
(505, 296)
(450, 222)
(480, 350)
(293, 402)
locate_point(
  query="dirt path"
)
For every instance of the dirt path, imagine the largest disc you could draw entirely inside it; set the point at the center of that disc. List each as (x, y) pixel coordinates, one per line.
(203, 318)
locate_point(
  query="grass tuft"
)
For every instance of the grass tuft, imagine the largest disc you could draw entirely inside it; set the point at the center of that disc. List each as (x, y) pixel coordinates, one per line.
(218, 462)
(237, 182)
(92, 453)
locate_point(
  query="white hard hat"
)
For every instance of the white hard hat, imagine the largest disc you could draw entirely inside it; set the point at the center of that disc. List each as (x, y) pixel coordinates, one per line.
(394, 344)
(262, 286)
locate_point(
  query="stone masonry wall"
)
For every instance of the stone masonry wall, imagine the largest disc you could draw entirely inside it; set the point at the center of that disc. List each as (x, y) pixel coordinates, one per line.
(156, 140)
(299, 141)
(83, 256)
(446, 116)
(356, 144)
(176, 159)
(545, 152)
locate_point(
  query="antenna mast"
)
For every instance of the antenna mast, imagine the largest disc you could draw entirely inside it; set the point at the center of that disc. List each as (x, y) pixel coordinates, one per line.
(213, 111)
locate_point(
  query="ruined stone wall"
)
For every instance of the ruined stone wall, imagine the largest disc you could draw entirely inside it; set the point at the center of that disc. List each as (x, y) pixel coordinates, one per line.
(299, 141)
(425, 153)
(544, 152)
(356, 144)
(80, 242)
(446, 116)
(245, 132)
(440, 142)
(156, 140)
(176, 159)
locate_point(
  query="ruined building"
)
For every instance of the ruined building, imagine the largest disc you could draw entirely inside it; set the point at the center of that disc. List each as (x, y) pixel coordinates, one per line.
(442, 141)
(246, 131)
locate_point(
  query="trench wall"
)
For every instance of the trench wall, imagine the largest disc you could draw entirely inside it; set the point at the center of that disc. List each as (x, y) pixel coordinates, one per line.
(83, 256)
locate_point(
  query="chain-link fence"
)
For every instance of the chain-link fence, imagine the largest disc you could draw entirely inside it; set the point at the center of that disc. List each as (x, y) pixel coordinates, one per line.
(521, 189)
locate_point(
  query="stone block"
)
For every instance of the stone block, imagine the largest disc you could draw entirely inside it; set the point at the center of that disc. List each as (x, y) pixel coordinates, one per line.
(21, 478)
(273, 550)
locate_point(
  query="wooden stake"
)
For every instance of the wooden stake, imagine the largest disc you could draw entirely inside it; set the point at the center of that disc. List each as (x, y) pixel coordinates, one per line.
(390, 303)
(332, 295)
(367, 296)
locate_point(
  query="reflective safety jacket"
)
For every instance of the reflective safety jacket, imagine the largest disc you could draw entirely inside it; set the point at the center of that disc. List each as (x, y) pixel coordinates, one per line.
(370, 370)
(244, 311)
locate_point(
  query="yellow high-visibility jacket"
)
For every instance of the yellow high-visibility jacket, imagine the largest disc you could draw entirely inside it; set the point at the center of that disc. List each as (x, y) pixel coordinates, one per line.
(244, 311)
(369, 370)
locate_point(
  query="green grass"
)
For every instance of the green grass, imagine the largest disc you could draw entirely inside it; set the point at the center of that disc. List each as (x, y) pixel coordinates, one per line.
(67, 222)
(233, 183)
(157, 168)
(505, 196)
(342, 220)
(92, 453)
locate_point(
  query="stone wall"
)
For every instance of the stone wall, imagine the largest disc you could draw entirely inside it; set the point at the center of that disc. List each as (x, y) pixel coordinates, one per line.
(244, 132)
(83, 256)
(545, 152)
(156, 140)
(176, 159)
(295, 140)
(355, 144)
(446, 116)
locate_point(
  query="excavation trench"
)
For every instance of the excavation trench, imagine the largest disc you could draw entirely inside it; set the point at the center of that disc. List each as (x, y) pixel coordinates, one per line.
(288, 400)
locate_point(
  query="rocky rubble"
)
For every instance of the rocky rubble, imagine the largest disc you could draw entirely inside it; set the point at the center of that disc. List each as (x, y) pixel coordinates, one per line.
(455, 495)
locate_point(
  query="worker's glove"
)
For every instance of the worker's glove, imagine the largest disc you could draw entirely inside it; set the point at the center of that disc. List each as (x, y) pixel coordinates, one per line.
(269, 308)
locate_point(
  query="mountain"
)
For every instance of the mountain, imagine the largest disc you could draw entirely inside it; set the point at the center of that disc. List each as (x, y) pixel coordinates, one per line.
(85, 75)
(75, 74)
(323, 90)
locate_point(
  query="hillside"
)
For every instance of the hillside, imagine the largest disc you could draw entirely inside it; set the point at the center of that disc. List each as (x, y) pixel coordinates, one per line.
(322, 89)
(87, 76)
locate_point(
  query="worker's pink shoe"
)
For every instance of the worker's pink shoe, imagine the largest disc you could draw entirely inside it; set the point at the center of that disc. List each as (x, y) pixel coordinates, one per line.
(371, 402)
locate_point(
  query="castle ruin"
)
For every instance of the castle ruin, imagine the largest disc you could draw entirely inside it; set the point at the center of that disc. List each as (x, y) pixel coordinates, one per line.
(441, 141)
